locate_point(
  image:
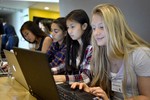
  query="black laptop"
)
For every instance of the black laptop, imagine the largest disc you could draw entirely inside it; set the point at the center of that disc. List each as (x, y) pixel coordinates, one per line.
(35, 68)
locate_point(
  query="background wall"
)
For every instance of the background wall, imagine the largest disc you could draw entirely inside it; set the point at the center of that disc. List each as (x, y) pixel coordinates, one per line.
(136, 12)
(43, 13)
(18, 18)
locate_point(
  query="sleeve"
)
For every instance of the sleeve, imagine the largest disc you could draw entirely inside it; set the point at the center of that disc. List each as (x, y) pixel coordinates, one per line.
(57, 64)
(10, 30)
(84, 74)
(141, 59)
(59, 69)
(50, 52)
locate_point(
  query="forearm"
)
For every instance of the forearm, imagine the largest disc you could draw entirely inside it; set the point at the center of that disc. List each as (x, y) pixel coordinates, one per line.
(59, 78)
(58, 69)
(78, 78)
(140, 97)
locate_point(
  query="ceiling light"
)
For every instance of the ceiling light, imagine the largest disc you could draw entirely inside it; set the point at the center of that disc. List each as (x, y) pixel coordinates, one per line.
(54, 1)
(46, 8)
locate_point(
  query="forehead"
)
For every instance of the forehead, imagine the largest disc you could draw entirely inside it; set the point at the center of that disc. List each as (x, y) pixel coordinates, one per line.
(54, 25)
(71, 22)
(25, 30)
(96, 18)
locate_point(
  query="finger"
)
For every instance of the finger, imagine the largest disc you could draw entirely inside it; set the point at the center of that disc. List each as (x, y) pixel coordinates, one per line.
(74, 85)
(81, 85)
(100, 93)
(92, 89)
(5, 66)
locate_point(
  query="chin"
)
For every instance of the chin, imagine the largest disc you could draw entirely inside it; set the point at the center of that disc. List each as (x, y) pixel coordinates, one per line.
(73, 39)
(100, 44)
(54, 41)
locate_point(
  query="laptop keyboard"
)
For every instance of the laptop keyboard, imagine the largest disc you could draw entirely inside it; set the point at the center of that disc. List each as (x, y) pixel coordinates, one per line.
(66, 93)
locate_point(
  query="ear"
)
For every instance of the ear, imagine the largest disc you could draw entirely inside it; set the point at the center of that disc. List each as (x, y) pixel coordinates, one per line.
(84, 26)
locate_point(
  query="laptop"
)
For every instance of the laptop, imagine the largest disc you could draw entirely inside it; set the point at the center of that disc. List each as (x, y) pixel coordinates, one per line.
(35, 68)
(15, 68)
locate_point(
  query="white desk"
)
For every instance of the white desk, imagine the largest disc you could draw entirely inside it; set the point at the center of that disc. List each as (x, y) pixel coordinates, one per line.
(10, 89)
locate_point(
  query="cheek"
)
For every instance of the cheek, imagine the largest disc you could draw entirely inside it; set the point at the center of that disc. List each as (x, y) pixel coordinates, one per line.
(31, 35)
(94, 35)
(61, 36)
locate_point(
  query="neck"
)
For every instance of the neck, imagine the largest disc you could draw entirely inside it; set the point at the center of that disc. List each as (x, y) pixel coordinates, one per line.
(116, 64)
(38, 40)
(60, 42)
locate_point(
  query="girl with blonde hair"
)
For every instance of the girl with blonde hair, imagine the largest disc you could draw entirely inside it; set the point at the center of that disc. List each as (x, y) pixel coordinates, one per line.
(120, 60)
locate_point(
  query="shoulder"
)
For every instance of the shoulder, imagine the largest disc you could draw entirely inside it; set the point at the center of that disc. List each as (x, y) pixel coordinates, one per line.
(47, 39)
(141, 61)
(141, 51)
(88, 50)
(140, 56)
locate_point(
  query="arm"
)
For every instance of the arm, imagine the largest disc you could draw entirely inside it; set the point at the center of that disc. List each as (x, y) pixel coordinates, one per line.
(83, 77)
(144, 89)
(46, 44)
(59, 78)
(141, 60)
(58, 69)
(57, 59)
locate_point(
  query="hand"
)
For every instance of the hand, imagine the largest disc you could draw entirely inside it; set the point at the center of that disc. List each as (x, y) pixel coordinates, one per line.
(80, 86)
(99, 92)
(5, 67)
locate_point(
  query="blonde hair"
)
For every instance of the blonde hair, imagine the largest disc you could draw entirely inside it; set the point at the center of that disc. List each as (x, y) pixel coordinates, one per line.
(120, 41)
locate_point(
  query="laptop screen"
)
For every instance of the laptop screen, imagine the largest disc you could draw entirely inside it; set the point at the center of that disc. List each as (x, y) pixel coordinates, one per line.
(37, 73)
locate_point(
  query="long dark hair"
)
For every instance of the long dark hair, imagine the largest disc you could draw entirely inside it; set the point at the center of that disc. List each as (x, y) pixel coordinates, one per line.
(81, 17)
(34, 28)
(61, 22)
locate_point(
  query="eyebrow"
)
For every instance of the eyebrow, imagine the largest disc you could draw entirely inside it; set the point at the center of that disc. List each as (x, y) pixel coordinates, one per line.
(98, 24)
(71, 24)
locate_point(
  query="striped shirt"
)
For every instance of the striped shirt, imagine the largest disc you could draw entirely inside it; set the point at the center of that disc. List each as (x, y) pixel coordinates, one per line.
(84, 72)
(56, 56)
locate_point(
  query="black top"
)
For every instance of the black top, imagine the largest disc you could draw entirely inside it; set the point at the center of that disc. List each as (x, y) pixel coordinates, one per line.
(41, 44)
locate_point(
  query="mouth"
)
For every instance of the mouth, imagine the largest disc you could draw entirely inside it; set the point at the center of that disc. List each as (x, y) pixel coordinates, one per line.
(99, 38)
(71, 35)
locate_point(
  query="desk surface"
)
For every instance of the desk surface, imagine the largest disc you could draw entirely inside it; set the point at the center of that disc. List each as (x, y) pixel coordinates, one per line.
(10, 89)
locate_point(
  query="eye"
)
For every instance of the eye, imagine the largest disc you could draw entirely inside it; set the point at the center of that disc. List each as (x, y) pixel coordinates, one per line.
(26, 34)
(72, 26)
(101, 27)
(55, 30)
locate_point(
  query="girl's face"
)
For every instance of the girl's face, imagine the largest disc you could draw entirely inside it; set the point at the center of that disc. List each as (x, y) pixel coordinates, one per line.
(99, 31)
(57, 33)
(75, 30)
(28, 35)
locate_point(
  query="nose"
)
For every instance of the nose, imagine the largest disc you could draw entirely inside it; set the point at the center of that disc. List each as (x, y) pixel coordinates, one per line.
(53, 33)
(97, 31)
(69, 31)
(26, 37)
